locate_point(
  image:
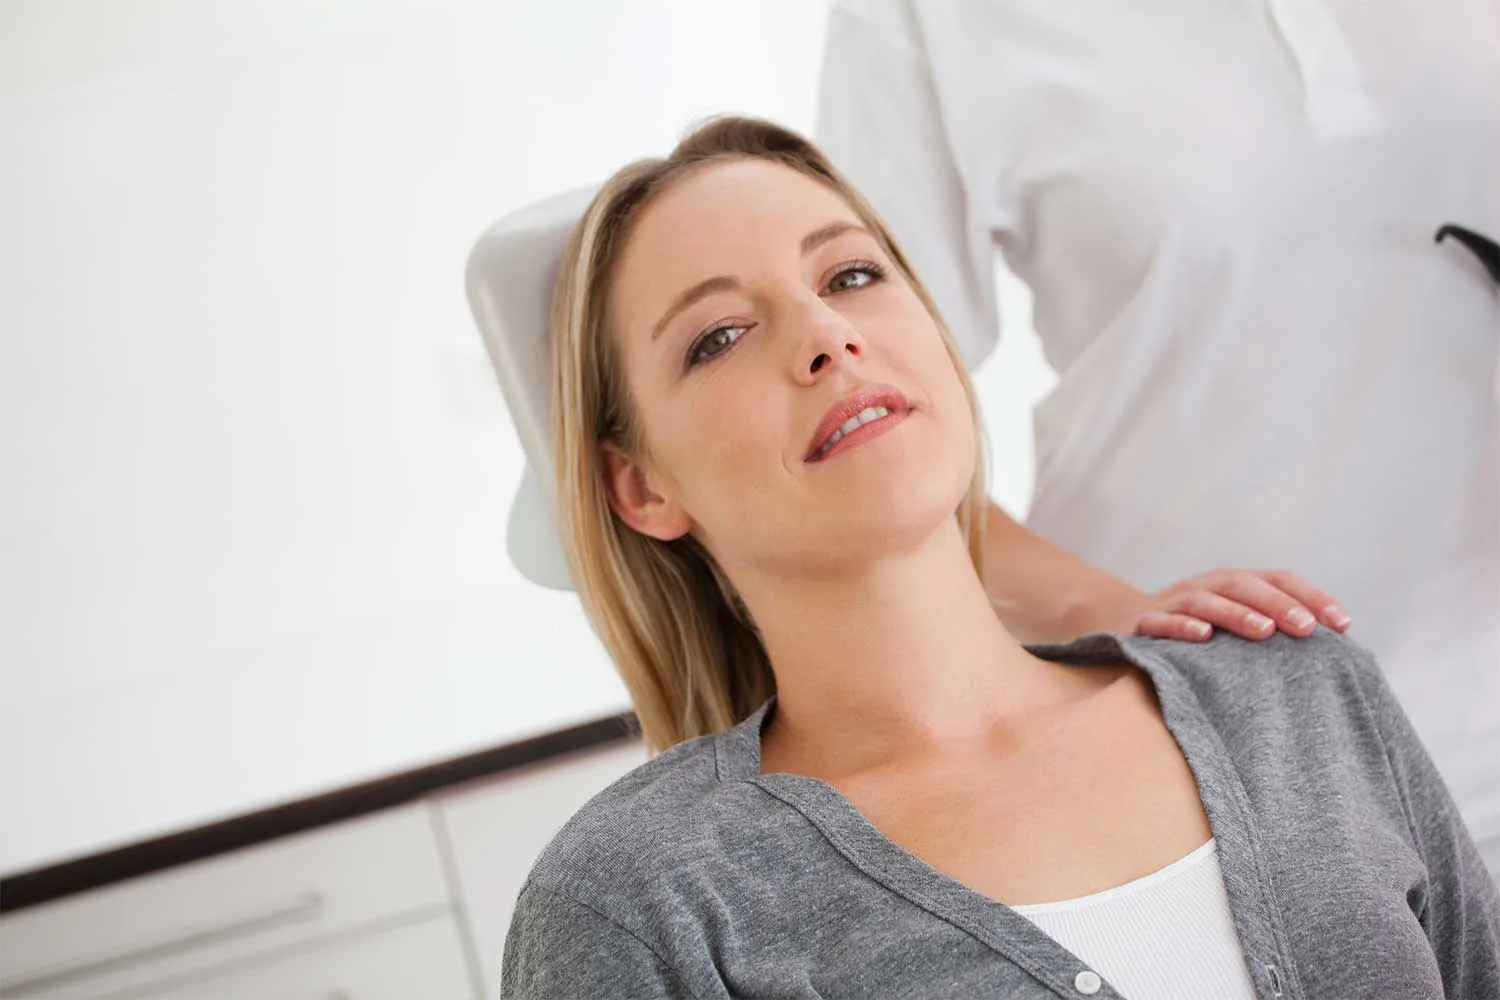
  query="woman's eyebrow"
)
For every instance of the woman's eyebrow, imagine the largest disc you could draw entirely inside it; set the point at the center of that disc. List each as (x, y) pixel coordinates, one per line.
(833, 230)
(725, 283)
(703, 289)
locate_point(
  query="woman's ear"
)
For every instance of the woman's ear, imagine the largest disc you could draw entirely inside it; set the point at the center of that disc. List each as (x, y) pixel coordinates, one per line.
(637, 498)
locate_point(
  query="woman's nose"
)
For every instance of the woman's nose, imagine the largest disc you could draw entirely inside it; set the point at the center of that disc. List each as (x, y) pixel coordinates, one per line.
(828, 343)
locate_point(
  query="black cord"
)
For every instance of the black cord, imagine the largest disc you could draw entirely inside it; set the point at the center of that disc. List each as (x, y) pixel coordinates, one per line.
(1483, 247)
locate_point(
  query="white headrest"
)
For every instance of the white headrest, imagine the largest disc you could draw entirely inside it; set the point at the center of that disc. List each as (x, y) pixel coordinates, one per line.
(510, 276)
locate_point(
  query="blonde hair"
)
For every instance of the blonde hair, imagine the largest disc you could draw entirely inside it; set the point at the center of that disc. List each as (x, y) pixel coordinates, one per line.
(684, 643)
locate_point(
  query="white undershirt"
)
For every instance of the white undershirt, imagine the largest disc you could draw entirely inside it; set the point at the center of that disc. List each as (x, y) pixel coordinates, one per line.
(1166, 935)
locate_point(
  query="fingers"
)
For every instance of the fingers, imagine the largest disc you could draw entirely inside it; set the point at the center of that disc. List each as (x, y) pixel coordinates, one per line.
(1259, 596)
(1296, 605)
(1242, 617)
(1313, 598)
(1167, 625)
(1251, 604)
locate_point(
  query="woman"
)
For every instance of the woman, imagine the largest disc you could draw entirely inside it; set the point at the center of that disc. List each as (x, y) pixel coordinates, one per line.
(1225, 215)
(773, 495)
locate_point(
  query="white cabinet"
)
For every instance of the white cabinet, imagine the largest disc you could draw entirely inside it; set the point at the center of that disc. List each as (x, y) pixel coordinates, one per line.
(496, 830)
(331, 883)
(422, 961)
(375, 908)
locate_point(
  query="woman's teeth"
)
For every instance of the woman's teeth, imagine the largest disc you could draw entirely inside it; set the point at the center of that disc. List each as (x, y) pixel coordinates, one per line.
(864, 416)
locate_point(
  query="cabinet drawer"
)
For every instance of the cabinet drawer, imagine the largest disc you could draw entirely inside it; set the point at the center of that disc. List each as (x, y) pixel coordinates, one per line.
(423, 960)
(497, 829)
(198, 916)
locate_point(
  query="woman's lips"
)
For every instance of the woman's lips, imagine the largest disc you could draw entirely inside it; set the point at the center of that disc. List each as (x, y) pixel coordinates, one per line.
(864, 432)
(845, 418)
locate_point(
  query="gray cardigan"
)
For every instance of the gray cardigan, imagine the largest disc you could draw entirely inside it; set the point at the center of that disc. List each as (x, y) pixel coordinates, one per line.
(1348, 870)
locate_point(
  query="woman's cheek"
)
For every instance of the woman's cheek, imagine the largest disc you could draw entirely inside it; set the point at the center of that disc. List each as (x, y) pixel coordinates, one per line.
(733, 445)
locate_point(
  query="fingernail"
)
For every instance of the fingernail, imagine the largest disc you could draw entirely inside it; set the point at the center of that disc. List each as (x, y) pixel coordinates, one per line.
(1199, 630)
(1257, 622)
(1337, 616)
(1299, 618)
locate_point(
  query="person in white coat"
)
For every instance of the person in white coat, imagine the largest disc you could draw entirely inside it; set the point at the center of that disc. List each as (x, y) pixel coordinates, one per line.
(1225, 214)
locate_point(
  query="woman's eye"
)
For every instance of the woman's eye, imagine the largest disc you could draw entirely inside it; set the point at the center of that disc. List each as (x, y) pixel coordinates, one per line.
(858, 276)
(715, 342)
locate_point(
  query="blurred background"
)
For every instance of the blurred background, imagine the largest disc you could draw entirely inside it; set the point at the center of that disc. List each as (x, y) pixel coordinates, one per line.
(255, 468)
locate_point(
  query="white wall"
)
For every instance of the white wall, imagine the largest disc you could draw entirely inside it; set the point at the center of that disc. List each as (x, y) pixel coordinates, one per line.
(254, 468)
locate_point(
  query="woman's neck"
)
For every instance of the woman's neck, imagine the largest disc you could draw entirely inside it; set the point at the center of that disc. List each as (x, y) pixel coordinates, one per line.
(904, 659)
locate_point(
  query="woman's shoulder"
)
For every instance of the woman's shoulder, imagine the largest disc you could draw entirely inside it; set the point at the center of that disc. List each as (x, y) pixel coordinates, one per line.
(644, 821)
(1253, 687)
(1297, 722)
(1309, 699)
(1322, 664)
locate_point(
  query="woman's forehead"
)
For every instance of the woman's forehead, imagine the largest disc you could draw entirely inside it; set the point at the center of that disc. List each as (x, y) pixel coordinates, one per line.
(720, 219)
(725, 200)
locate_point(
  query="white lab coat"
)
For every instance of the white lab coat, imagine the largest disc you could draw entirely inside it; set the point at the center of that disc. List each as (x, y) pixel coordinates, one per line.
(1225, 213)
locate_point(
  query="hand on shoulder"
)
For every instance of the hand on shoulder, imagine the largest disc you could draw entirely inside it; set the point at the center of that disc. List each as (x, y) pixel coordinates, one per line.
(1253, 604)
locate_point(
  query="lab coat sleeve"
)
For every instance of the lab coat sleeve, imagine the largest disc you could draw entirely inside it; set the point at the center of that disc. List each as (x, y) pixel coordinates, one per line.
(880, 122)
(563, 949)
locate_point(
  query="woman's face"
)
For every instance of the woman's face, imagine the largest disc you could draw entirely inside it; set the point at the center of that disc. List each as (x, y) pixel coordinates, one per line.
(759, 324)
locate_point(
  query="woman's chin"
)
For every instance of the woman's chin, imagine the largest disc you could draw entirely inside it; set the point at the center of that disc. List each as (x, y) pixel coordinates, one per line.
(893, 519)
(888, 474)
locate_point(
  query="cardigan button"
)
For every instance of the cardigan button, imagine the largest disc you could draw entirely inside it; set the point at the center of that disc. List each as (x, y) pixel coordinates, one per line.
(1087, 982)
